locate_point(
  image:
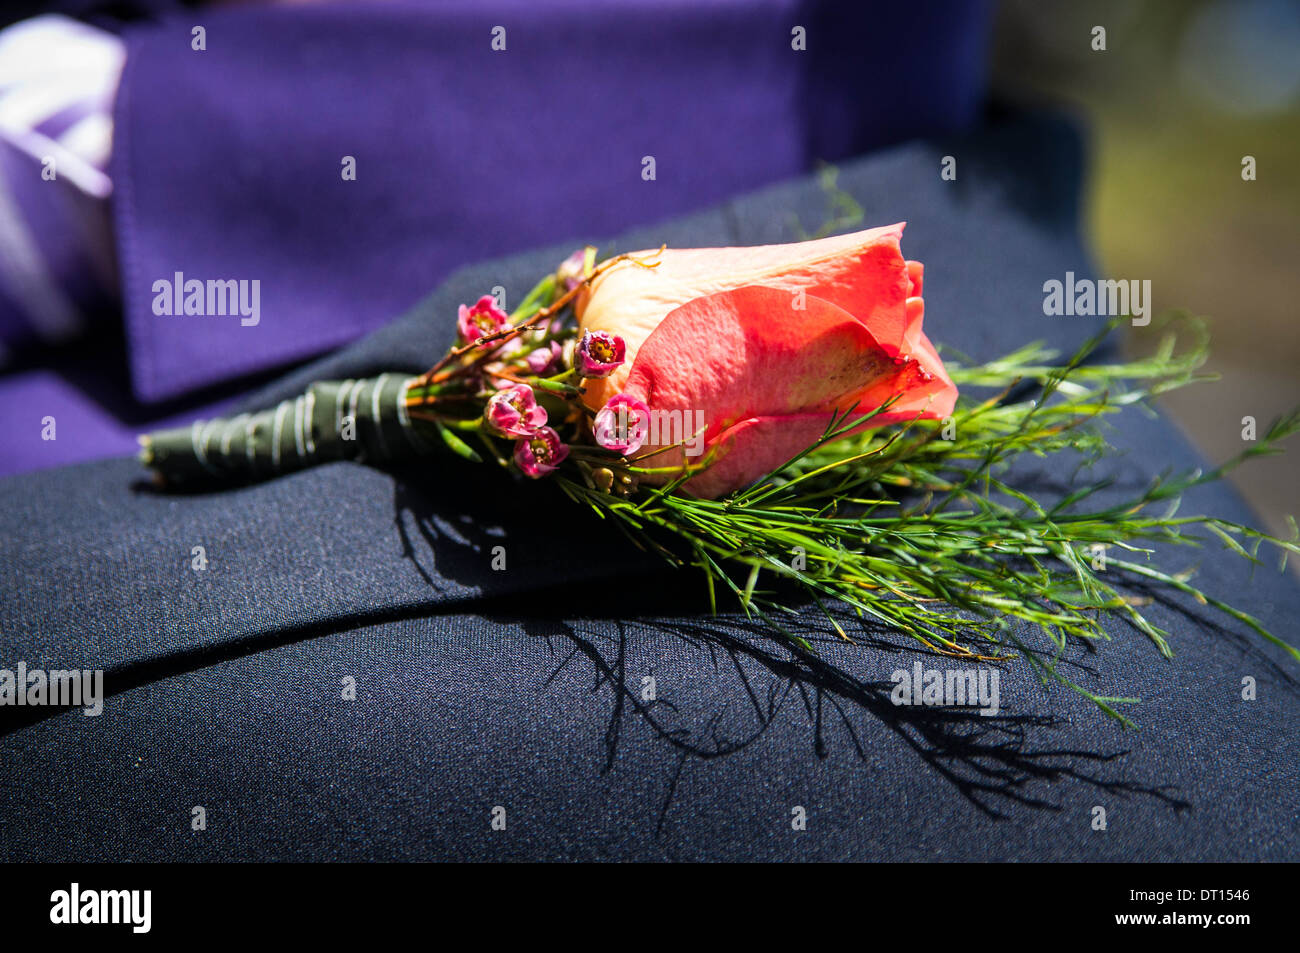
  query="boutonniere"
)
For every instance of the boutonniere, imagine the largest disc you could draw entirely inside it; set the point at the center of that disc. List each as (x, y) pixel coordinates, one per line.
(778, 413)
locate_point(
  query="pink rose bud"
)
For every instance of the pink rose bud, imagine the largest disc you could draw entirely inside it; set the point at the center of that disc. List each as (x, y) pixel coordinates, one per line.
(768, 345)
(540, 453)
(599, 354)
(546, 360)
(622, 424)
(481, 320)
(513, 412)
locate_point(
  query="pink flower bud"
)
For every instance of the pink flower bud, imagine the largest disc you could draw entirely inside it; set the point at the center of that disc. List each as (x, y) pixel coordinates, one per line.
(546, 360)
(622, 424)
(513, 412)
(599, 354)
(541, 453)
(571, 270)
(481, 320)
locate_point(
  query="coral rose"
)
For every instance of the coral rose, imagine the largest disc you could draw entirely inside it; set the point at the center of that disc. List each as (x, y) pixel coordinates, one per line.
(768, 343)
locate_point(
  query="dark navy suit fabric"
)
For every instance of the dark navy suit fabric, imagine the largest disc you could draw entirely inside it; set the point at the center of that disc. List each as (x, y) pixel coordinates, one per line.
(524, 689)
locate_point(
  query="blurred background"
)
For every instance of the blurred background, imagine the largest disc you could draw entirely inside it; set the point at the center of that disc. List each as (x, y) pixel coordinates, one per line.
(1182, 92)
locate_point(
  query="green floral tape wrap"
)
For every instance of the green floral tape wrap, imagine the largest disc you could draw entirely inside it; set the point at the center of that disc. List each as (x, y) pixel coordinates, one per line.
(363, 420)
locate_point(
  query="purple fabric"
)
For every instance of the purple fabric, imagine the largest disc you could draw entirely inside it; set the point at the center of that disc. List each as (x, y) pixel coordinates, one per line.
(84, 428)
(41, 220)
(227, 162)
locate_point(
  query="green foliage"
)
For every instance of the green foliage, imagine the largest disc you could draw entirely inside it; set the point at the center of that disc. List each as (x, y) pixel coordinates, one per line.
(928, 536)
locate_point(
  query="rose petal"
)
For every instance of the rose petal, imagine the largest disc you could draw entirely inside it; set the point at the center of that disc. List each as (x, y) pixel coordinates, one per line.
(863, 272)
(768, 377)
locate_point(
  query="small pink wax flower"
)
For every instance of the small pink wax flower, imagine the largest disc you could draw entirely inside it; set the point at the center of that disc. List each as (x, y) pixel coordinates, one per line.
(481, 320)
(622, 424)
(599, 354)
(541, 453)
(513, 412)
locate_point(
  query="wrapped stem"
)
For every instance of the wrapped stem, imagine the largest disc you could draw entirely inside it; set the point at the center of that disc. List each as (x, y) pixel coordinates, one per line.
(364, 420)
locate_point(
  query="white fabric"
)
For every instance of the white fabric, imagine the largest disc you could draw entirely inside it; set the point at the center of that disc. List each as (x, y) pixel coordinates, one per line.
(52, 63)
